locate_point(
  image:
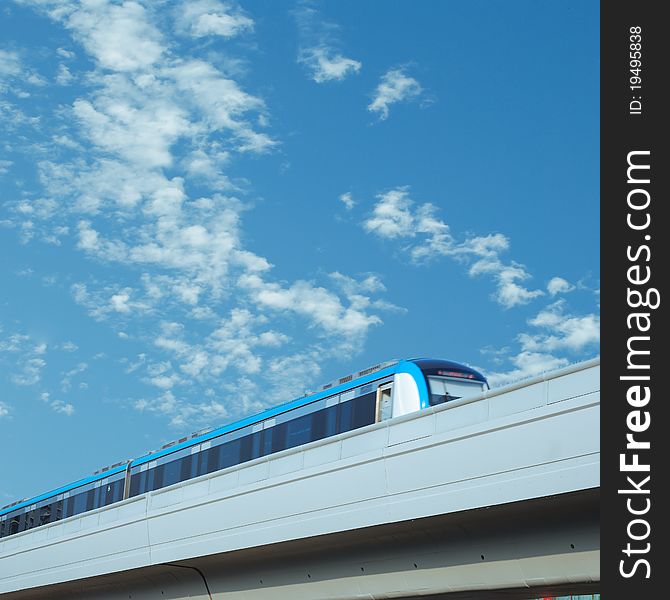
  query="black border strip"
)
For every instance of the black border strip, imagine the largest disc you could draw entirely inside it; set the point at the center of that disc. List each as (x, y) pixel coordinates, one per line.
(633, 121)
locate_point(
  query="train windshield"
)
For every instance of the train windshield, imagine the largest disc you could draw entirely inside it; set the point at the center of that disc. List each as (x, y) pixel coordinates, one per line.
(444, 389)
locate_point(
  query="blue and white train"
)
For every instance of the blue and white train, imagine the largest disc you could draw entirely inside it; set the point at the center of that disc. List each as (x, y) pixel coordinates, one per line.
(376, 394)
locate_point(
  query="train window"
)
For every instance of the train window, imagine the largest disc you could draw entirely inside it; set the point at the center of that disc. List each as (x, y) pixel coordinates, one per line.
(299, 431)
(143, 481)
(14, 525)
(79, 503)
(137, 484)
(250, 447)
(171, 472)
(364, 410)
(331, 420)
(97, 497)
(167, 473)
(46, 511)
(189, 467)
(279, 437)
(155, 477)
(229, 454)
(345, 411)
(58, 510)
(318, 425)
(67, 507)
(118, 489)
(29, 520)
(324, 423)
(107, 492)
(443, 389)
(357, 413)
(213, 456)
(256, 439)
(203, 461)
(45, 514)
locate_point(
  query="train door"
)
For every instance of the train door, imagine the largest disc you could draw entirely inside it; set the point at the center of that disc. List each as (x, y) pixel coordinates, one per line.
(384, 402)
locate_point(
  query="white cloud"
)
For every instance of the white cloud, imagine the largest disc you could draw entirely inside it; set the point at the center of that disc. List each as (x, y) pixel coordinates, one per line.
(165, 404)
(370, 284)
(110, 302)
(358, 293)
(119, 302)
(66, 382)
(201, 18)
(558, 285)
(10, 64)
(36, 79)
(26, 356)
(395, 217)
(4, 410)
(296, 371)
(30, 372)
(91, 242)
(320, 306)
(208, 166)
(392, 217)
(63, 76)
(64, 408)
(221, 101)
(324, 64)
(183, 413)
(319, 44)
(527, 364)
(234, 343)
(206, 253)
(119, 36)
(65, 141)
(14, 342)
(162, 375)
(562, 331)
(555, 334)
(14, 72)
(509, 293)
(4, 166)
(145, 132)
(395, 86)
(141, 133)
(348, 200)
(58, 406)
(139, 362)
(64, 53)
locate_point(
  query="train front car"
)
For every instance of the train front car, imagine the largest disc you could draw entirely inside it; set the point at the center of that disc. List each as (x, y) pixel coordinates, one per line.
(447, 381)
(423, 382)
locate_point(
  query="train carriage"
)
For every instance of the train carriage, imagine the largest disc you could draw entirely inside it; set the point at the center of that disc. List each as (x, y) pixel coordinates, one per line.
(369, 396)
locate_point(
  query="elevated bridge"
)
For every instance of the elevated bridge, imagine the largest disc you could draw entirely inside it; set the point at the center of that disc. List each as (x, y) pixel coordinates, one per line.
(485, 497)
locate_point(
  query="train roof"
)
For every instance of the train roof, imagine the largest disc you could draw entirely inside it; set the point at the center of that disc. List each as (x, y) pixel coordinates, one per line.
(415, 365)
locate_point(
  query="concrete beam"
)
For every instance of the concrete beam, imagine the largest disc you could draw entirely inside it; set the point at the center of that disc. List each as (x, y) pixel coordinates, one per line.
(519, 550)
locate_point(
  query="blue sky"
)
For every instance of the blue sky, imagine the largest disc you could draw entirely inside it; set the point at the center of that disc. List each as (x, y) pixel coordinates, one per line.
(209, 208)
